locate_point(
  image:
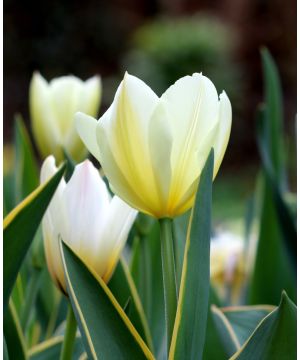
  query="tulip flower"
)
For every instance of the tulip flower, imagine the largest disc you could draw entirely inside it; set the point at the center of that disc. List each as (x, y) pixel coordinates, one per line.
(52, 109)
(227, 265)
(83, 214)
(152, 149)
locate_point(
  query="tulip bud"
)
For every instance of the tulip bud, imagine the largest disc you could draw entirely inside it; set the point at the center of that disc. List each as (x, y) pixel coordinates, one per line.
(227, 265)
(152, 149)
(83, 215)
(52, 109)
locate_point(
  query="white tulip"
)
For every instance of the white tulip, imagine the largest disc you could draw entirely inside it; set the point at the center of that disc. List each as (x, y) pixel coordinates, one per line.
(83, 214)
(52, 109)
(152, 149)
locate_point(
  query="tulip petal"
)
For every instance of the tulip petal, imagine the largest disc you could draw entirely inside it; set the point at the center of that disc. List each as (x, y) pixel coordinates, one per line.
(44, 126)
(123, 131)
(86, 128)
(223, 131)
(112, 237)
(88, 102)
(160, 146)
(85, 195)
(52, 219)
(193, 106)
(120, 185)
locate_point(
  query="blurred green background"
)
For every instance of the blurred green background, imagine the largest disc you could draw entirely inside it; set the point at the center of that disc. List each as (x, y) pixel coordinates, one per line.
(160, 41)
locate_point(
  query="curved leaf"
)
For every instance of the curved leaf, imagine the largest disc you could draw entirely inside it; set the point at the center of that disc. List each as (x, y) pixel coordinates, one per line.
(106, 330)
(275, 337)
(20, 226)
(191, 317)
(235, 324)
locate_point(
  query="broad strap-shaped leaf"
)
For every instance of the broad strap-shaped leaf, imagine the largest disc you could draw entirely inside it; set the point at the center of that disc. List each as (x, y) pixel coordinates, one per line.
(106, 331)
(14, 337)
(191, 317)
(51, 349)
(285, 218)
(20, 226)
(26, 174)
(235, 324)
(123, 288)
(273, 270)
(275, 337)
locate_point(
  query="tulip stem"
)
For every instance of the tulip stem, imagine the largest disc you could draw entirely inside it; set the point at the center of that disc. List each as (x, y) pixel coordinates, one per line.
(169, 275)
(70, 333)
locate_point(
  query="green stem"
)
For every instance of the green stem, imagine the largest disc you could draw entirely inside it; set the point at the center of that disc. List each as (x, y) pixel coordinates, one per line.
(31, 293)
(70, 333)
(169, 275)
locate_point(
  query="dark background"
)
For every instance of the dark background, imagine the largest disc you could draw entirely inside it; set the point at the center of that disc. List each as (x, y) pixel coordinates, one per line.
(88, 37)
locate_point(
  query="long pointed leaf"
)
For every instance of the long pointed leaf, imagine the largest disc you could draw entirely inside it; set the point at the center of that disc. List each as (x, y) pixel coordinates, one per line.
(20, 226)
(105, 329)
(191, 317)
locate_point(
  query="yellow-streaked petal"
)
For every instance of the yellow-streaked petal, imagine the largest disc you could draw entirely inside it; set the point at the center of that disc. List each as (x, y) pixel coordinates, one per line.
(126, 134)
(86, 128)
(193, 107)
(120, 186)
(160, 146)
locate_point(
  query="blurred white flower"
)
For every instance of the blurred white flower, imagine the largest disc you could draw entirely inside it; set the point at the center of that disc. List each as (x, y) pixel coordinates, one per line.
(227, 265)
(52, 109)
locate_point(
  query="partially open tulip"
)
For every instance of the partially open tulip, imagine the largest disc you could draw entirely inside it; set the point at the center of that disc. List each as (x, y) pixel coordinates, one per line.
(52, 109)
(83, 214)
(152, 149)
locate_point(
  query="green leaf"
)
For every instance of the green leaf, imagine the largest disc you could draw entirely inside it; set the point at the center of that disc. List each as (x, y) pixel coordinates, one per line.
(14, 337)
(235, 324)
(275, 338)
(51, 349)
(26, 170)
(180, 227)
(123, 288)
(273, 270)
(274, 114)
(284, 216)
(213, 348)
(191, 317)
(20, 226)
(5, 351)
(70, 165)
(105, 329)
(146, 269)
